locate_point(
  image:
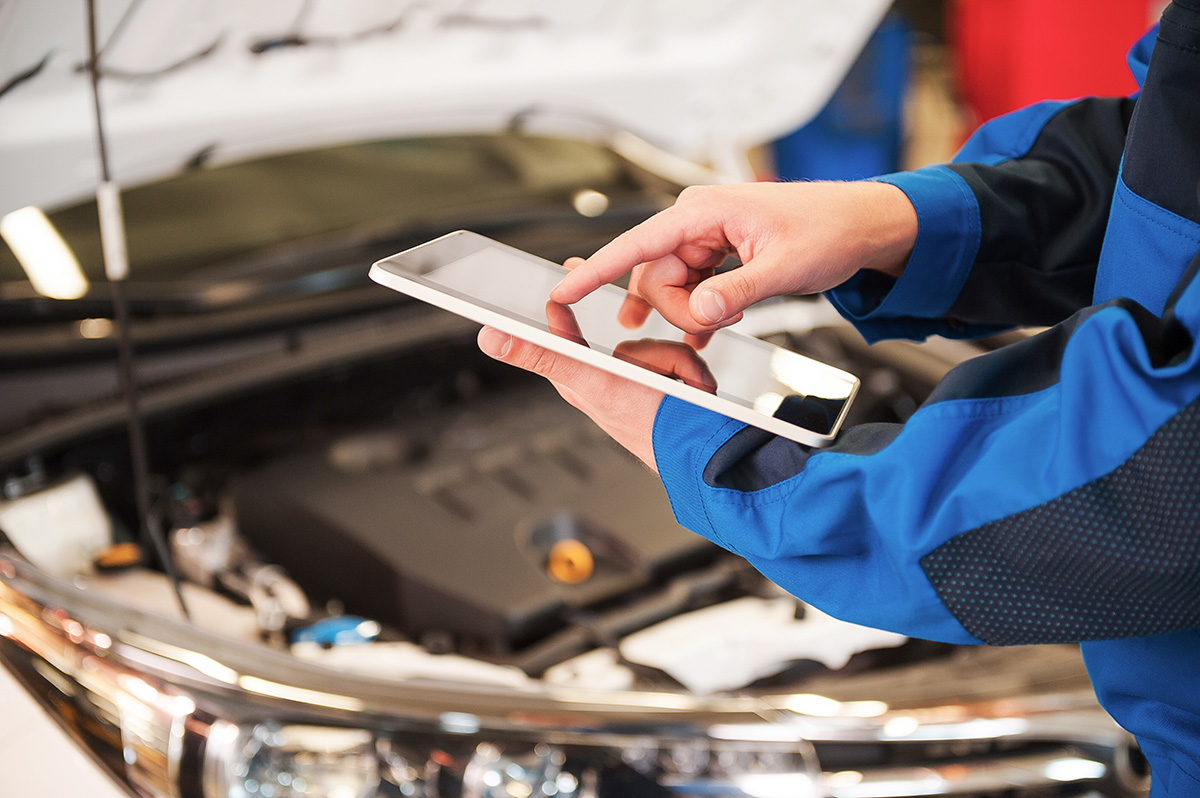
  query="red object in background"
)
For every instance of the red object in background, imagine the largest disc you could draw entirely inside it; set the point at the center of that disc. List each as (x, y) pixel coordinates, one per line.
(1010, 53)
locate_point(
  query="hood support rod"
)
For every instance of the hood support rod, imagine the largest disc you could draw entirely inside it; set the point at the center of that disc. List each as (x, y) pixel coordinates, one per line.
(116, 268)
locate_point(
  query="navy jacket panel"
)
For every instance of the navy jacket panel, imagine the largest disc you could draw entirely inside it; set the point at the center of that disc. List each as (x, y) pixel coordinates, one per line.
(1043, 217)
(1030, 231)
(1154, 227)
(1010, 232)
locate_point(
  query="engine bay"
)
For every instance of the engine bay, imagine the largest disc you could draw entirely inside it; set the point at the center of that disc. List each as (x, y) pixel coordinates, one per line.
(431, 513)
(386, 553)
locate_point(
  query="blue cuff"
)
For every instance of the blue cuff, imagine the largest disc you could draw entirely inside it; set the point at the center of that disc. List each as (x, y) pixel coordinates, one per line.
(685, 438)
(948, 235)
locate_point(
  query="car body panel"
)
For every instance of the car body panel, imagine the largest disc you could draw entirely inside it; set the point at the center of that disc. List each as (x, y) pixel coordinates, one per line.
(704, 79)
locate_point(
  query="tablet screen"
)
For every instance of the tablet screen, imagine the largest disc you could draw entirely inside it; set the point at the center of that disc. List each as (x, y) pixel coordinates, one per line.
(732, 367)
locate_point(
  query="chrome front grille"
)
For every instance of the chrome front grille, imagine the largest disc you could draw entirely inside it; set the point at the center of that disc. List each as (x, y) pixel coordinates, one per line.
(1031, 752)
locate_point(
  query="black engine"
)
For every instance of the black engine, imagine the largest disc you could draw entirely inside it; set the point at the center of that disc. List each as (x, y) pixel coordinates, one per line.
(483, 527)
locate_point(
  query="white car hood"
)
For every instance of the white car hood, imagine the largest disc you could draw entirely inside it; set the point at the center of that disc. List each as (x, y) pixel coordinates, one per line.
(703, 79)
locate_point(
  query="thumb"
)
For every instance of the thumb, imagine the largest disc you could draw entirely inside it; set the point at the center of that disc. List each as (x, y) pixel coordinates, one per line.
(720, 299)
(559, 369)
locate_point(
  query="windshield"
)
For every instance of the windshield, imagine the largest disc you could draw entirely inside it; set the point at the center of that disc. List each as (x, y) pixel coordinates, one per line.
(262, 220)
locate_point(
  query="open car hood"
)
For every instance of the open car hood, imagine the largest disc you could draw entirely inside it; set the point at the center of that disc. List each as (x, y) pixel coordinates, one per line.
(187, 84)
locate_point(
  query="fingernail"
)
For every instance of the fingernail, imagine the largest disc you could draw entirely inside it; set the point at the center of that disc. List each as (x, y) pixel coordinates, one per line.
(711, 306)
(495, 343)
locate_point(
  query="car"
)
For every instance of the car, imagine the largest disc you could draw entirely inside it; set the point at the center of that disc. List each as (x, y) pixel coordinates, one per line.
(391, 566)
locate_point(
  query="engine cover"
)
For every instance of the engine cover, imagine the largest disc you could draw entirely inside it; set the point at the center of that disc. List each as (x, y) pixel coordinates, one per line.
(446, 524)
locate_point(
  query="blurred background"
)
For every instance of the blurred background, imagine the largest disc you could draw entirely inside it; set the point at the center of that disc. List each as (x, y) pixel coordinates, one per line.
(936, 69)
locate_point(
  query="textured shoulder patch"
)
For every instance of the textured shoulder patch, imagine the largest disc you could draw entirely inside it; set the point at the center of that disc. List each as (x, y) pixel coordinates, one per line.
(1118, 557)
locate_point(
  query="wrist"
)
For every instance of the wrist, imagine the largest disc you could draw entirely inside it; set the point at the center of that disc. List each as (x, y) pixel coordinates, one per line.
(934, 272)
(888, 223)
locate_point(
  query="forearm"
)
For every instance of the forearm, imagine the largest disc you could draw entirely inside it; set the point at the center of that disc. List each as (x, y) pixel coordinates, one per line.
(882, 235)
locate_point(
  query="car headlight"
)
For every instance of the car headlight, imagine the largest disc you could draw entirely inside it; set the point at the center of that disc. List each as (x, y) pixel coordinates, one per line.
(173, 711)
(271, 760)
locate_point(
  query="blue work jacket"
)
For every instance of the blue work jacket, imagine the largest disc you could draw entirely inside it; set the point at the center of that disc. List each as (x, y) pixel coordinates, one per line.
(1048, 491)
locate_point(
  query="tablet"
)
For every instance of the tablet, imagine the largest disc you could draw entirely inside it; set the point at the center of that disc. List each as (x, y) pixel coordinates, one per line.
(734, 374)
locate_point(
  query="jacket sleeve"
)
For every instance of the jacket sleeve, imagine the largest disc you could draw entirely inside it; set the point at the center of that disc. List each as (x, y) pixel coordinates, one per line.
(1048, 491)
(1009, 232)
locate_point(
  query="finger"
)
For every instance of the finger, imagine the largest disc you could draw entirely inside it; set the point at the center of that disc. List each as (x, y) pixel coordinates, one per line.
(697, 341)
(494, 343)
(720, 300)
(654, 238)
(571, 264)
(667, 284)
(634, 310)
(562, 322)
(656, 285)
(531, 357)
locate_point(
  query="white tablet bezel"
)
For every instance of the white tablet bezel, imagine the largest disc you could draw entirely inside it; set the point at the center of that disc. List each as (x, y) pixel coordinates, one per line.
(392, 273)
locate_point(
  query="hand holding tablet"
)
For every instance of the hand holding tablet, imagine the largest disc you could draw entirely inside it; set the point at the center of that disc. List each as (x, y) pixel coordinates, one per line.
(736, 375)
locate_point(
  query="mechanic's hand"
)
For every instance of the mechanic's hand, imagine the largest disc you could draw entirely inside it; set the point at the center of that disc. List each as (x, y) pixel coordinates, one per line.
(792, 238)
(623, 409)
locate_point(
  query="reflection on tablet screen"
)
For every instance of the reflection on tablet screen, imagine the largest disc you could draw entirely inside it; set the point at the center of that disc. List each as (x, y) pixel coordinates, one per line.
(743, 370)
